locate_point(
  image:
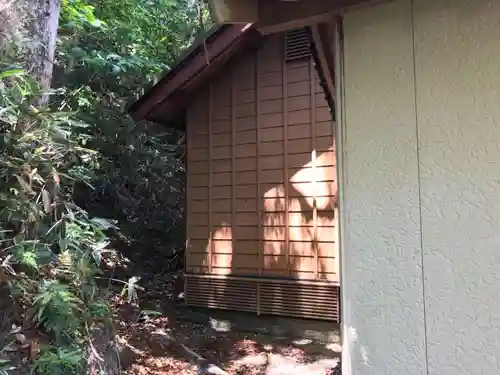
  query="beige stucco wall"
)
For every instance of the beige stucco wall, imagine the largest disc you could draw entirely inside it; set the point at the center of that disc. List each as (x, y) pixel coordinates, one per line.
(421, 163)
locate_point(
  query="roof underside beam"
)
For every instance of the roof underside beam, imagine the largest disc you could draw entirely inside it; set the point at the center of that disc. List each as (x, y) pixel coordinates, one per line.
(234, 11)
(272, 16)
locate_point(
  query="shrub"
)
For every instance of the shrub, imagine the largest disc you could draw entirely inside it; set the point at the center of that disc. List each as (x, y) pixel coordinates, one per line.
(50, 249)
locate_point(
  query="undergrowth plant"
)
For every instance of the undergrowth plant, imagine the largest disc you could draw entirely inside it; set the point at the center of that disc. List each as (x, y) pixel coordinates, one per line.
(59, 361)
(50, 249)
(4, 366)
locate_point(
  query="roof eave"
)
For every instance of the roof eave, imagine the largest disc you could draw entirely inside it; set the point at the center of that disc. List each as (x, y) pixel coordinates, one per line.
(195, 60)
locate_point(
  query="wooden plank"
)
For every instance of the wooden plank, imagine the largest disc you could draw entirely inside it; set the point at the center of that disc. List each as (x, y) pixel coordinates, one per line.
(298, 71)
(220, 126)
(222, 205)
(232, 106)
(198, 219)
(246, 233)
(246, 96)
(248, 191)
(220, 192)
(271, 120)
(246, 150)
(222, 139)
(277, 176)
(210, 173)
(249, 219)
(197, 155)
(245, 136)
(246, 177)
(198, 193)
(322, 174)
(245, 205)
(271, 92)
(304, 248)
(243, 110)
(272, 134)
(270, 79)
(197, 206)
(297, 103)
(220, 152)
(198, 232)
(284, 69)
(300, 128)
(300, 116)
(221, 179)
(271, 106)
(298, 146)
(245, 123)
(258, 110)
(221, 165)
(313, 167)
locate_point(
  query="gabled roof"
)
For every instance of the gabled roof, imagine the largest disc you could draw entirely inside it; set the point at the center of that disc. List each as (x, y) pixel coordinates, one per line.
(165, 101)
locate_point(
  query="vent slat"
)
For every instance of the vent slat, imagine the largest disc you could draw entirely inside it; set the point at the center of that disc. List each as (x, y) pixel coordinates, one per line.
(214, 303)
(303, 316)
(220, 306)
(203, 295)
(302, 300)
(297, 45)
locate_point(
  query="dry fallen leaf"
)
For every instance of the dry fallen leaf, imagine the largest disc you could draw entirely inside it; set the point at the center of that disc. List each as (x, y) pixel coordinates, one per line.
(20, 338)
(35, 349)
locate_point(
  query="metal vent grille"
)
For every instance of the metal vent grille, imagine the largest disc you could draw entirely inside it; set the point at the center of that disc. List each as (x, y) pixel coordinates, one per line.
(301, 299)
(313, 301)
(218, 293)
(297, 45)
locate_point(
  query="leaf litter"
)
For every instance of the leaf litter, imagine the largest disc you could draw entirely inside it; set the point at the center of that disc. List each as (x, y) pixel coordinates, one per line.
(150, 335)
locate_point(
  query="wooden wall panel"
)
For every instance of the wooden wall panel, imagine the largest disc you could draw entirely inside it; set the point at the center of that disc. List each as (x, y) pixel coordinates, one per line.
(261, 186)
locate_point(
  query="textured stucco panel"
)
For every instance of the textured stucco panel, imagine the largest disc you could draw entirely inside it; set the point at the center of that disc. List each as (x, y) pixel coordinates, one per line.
(383, 282)
(458, 103)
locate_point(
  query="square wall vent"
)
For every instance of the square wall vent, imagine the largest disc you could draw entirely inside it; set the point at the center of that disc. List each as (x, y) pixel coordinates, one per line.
(297, 45)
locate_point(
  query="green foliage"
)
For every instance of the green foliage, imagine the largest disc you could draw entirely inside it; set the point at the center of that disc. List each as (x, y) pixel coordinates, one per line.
(59, 361)
(77, 15)
(56, 307)
(5, 366)
(117, 46)
(104, 65)
(74, 172)
(50, 249)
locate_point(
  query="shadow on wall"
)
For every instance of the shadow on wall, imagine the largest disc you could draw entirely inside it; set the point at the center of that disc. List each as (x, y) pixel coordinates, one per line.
(297, 234)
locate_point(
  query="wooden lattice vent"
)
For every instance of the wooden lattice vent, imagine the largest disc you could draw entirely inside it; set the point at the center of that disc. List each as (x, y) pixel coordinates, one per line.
(297, 45)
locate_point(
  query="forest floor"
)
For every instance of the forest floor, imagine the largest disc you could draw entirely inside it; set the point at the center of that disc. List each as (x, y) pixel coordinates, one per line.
(153, 340)
(151, 350)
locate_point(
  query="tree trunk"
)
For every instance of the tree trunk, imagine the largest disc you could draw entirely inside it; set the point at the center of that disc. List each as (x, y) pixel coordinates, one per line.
(43, 31)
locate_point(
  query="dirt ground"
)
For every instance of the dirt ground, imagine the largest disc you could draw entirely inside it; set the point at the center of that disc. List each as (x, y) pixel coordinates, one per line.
(238, 353)
(151, 351)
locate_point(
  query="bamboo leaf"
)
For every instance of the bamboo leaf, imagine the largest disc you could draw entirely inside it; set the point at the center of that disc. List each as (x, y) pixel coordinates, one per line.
(11, 73)
(25, 186)
(47, 202)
